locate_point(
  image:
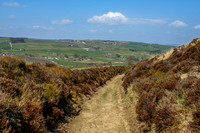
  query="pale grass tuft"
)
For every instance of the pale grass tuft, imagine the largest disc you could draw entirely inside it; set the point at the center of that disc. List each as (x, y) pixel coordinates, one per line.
(165, 55)
(193, 44)
(8, 130)
(5, 100)
(29, 95)
(168, 100)
(130, 100)
(190, 74)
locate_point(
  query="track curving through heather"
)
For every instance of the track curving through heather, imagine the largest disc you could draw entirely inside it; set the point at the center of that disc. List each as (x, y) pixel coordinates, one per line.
(104, 112)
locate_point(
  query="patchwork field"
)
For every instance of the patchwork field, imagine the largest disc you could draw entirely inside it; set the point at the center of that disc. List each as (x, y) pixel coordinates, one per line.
(80, 53)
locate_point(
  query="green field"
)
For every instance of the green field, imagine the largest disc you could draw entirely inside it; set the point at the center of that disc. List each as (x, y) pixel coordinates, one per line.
(82, 53)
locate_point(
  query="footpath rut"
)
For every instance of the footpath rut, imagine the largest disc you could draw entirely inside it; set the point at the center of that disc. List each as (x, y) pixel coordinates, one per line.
(104, 112)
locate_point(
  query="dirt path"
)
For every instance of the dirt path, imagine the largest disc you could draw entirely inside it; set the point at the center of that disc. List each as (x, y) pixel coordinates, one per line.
(104, 112)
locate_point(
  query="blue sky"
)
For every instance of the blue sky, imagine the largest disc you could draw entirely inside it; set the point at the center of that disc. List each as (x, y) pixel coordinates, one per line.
(152, 21)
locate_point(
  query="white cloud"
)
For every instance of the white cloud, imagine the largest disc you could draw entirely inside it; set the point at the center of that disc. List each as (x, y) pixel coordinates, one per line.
(178, 23)
(12, 4)
(54, 22)
(12, 16)
(197, 27)
(62, 22)
(110, 31)
(41, 27)
(65, 21)
(93, 30)
(116, 18)
(146, 21)
(111, 18)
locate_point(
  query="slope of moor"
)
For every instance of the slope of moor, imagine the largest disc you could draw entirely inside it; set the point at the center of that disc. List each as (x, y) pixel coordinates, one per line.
(168, 90)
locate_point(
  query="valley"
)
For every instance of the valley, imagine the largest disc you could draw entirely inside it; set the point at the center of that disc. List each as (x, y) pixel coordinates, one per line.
(80, 53)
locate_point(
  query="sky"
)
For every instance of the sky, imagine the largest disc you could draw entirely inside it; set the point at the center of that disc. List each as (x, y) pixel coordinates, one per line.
(171, 22)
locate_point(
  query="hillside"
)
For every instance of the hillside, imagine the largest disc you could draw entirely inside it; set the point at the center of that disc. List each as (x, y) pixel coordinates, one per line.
(167, 91)
(80, 53)
(37, 98)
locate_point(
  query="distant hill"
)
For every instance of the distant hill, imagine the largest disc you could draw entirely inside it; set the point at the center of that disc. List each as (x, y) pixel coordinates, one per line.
(81, 53)
(168, 90)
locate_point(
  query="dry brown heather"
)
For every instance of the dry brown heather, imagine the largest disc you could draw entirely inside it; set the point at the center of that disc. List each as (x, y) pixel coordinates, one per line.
(168, 90)
(36, 98)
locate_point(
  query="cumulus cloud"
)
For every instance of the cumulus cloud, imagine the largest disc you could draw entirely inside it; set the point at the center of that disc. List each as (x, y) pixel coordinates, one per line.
(41, 27)
(178, 23)
(197, 27)
(111, 18)
(116, 18)
(62, 22)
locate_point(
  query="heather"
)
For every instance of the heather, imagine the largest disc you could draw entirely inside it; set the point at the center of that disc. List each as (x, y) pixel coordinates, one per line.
(38, 97)
(168, 89)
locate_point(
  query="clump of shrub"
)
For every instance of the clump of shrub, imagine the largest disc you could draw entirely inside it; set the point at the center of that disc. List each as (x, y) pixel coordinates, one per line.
(12, 68)
(11, 119)
(54, 116)
(51, 93)
(10, 86)
(145, 108)
(195, 124)
(164, 118)
(169, 84)
(32, 117)
(192, 95)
